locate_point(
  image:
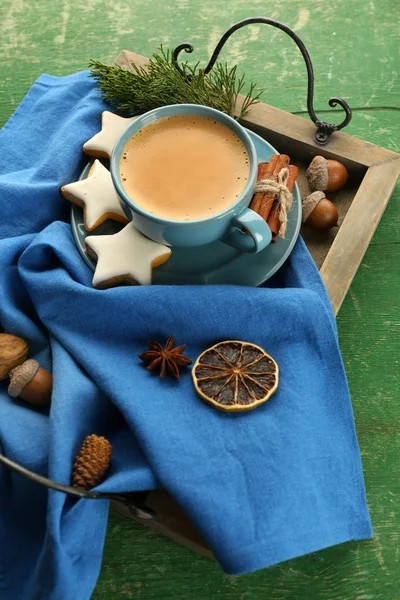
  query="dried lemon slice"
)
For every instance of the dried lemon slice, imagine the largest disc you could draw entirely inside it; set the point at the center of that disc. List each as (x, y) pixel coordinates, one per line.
(235, 376)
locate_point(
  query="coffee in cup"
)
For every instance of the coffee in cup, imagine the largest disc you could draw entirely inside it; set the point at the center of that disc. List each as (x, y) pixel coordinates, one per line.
(186, 174)
(184, 167)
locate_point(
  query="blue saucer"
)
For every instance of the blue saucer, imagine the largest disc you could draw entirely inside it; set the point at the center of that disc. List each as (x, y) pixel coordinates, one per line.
(216, 263)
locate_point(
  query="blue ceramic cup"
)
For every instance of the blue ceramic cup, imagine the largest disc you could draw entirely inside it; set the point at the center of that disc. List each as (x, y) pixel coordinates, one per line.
(237, 225)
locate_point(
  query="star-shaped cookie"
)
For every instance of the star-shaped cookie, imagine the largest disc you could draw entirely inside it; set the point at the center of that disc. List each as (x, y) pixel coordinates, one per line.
(97, 196)
(101, 145)
(125, 257)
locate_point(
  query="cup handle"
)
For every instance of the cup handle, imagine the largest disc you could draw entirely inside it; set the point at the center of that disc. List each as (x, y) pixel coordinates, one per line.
(256, 235)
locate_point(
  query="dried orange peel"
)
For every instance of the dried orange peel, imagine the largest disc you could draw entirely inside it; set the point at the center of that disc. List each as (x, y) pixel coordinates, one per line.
(235, 376)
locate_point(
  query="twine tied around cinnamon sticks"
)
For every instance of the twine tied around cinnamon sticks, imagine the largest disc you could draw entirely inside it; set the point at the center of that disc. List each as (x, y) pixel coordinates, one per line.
(281, 194)
(272, 198)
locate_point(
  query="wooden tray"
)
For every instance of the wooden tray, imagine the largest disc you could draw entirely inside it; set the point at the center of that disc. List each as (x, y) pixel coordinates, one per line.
(373, 173)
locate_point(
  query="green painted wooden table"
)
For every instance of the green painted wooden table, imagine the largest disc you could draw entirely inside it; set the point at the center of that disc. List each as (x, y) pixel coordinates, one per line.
(355, 50)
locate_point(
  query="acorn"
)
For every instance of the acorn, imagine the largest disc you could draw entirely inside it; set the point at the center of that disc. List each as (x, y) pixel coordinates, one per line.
(13, 352)
(31, 383)
(319, 212)
(325, 174)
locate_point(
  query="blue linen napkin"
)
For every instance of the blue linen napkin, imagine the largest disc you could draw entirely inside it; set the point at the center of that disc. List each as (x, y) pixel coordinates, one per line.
(262, 487)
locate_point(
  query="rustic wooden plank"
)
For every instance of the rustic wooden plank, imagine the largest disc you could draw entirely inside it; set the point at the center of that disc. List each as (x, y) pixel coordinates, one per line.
(357, 229)
(383, 128)
(170, 521)
(293, 131)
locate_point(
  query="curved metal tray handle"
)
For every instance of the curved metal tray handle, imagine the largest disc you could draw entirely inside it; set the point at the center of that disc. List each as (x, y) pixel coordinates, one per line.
(324, 130)
(137, 511)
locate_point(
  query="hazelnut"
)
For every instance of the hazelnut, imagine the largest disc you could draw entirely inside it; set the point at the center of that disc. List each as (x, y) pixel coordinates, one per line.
(13, 352)
(31, 383)
(319, 212)
(326, 175)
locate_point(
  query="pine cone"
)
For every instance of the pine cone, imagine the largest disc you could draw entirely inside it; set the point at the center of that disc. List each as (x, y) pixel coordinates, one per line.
(92, 462)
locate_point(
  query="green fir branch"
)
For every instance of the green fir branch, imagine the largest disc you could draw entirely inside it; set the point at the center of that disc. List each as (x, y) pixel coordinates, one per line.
(160, 83)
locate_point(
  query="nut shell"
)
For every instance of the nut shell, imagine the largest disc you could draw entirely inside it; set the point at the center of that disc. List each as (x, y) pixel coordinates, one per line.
(21, 376)
(337, 175)
(13, 352)
(309, 203)
(317, 173)
(38, 391)
(324, 216)
(326, 174)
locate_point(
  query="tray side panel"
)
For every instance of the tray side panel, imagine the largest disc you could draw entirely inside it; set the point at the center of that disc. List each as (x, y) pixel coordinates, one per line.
(357, 229)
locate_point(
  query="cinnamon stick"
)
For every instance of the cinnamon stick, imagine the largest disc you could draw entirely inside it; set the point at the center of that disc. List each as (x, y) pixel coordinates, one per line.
(273, 222)
(265, 171)
(262, 203)
(268, 200)
(273, 218)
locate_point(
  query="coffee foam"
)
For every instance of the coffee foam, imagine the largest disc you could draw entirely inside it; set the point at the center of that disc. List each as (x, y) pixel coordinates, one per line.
(191, 167)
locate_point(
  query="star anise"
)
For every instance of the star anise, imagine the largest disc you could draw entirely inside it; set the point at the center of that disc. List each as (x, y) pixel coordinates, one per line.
(167, 359)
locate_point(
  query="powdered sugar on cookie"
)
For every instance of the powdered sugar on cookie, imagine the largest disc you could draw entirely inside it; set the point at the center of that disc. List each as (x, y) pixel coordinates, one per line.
(97, 196)
(112, 126)
(125, 257)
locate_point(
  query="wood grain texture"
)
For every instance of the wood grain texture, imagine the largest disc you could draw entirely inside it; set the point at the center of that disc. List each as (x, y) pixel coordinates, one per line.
(355, 52)
(357, 229)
